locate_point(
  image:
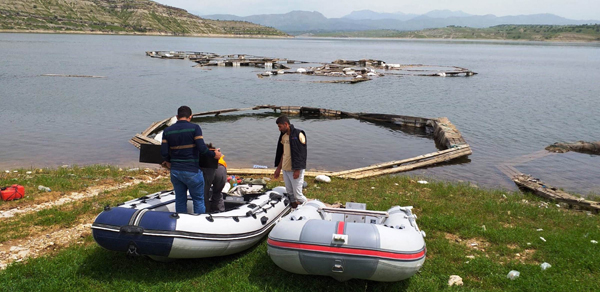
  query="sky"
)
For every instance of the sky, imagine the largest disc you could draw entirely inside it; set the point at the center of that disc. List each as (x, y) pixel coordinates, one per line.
(572, 9)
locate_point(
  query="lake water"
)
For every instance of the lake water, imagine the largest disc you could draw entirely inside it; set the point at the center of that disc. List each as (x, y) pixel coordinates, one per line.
(525, 97)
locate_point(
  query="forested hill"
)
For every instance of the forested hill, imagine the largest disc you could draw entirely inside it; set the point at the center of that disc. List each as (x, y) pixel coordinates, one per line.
(117, 16)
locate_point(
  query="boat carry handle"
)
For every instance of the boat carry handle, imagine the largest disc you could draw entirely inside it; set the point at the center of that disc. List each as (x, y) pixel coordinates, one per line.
(354, 212)
(131, 229)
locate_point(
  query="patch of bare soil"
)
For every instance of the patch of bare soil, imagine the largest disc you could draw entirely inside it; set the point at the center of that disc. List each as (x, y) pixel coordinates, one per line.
(58, 199)
(43, 243)
(481, 244)
(46, 240)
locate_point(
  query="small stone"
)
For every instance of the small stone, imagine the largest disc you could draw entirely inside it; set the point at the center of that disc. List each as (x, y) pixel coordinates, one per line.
(23, 254)
(539, 229)
(470, 256)
(593, 241)
(455, 280)
(513, 275)
(372, 188)
(543, 239)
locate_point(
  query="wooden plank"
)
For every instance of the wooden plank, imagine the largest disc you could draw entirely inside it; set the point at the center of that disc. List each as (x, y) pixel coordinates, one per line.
(146, 139)
(262, 171)
(217, 112)
(437, 159)
(508, 170)
(543, 190)
(154, 126)
(398, 162)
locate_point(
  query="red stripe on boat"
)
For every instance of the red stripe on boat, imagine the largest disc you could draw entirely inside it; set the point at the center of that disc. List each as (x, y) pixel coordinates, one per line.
(348, 251)
(340, 227)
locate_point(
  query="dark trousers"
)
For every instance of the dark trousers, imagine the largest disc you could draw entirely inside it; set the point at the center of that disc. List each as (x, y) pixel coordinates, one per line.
(215, 178)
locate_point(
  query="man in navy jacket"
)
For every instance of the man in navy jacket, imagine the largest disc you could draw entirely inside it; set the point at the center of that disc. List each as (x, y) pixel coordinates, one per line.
(181, 146)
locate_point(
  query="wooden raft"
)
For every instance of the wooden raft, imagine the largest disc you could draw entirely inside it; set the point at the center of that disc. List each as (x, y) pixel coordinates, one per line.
(541, 189)
(445, 134)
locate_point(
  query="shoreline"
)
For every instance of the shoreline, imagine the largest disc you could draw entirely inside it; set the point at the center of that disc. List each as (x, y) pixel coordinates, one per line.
(141, 34)
(457, 39)
(297, 36)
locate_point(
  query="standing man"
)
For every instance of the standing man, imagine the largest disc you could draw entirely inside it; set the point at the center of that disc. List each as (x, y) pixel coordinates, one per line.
(291, 157)
(181, 146)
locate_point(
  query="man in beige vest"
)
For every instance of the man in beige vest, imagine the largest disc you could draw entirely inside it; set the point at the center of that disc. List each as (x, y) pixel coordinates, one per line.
(291, 158)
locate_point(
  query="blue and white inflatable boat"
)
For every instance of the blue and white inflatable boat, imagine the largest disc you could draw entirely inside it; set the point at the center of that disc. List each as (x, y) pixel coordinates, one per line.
(150, 226)
(349, 243)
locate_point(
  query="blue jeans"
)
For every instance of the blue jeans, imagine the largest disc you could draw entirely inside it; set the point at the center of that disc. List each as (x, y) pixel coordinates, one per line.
(192, 181)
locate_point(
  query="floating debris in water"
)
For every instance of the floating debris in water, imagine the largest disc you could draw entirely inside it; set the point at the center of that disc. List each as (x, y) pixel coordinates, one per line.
(356, 70)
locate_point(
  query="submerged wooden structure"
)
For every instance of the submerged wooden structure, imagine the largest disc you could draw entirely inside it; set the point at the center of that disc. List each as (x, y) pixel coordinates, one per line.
(538, 187)
(357, 70)
(445, 135)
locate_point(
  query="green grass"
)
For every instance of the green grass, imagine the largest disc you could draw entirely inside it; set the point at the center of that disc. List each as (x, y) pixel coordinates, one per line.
(62, 181)
(452, 215)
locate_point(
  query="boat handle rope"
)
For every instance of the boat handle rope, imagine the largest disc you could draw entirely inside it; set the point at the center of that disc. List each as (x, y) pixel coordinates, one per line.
(251, 213)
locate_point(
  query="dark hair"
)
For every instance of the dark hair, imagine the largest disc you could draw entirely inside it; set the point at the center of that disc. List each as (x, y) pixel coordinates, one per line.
(282, 120)
(184, 112)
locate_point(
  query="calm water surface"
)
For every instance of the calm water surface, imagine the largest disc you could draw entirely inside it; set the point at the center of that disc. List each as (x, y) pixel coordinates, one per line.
(526, 96)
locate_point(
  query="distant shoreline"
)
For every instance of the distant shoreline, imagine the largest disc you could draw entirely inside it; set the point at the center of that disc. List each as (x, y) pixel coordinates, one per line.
(141, 34)
(457, 39)
(553, 41)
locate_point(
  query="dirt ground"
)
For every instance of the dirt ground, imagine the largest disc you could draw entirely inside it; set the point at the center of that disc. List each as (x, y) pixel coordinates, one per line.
(41, 240)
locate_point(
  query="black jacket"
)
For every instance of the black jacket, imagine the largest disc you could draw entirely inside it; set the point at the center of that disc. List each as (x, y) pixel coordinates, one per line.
(208, 162)
(298, 149)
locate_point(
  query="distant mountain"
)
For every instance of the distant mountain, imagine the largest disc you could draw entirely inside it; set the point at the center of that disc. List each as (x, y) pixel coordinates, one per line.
(446, 14)
(295, 21)
(116, 16)
(300, 22)
(372, 15)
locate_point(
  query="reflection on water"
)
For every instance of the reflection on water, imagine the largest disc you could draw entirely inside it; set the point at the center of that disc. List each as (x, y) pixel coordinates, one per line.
(333, 144)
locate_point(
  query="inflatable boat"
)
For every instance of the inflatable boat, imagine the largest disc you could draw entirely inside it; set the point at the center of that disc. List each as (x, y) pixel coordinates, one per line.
(150, 226)
(348, 243)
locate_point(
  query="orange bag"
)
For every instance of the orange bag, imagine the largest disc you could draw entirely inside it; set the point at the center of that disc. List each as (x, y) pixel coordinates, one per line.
(13, 192)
